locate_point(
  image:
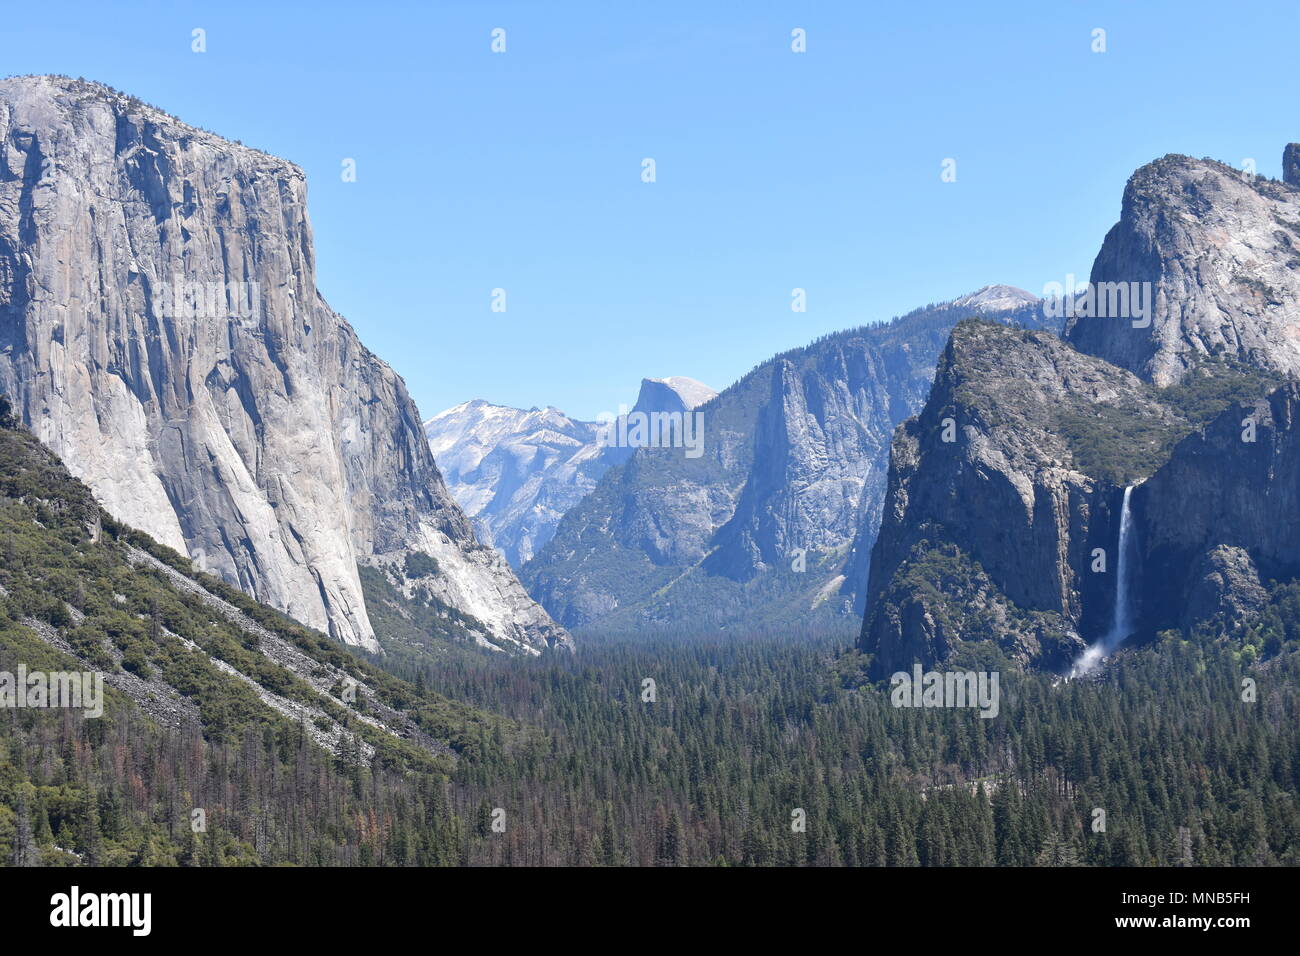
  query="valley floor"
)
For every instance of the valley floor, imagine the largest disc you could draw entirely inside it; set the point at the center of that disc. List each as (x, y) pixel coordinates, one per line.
(704, 751)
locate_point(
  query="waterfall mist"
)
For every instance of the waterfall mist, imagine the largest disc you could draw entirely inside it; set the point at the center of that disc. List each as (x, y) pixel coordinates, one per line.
(1122, 622)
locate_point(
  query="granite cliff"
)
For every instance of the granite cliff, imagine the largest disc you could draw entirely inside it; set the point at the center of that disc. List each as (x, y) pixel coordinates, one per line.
(1000, 531)
(771, 526)
(1219, 253)
(161, 331)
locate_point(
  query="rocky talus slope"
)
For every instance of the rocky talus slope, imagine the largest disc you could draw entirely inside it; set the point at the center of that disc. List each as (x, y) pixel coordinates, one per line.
(161, 331)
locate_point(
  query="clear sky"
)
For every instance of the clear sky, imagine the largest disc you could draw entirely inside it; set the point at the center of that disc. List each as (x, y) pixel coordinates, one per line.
(774, 170)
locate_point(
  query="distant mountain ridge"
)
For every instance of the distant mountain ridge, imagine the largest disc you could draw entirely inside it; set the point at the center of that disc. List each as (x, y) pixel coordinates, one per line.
(516, 472)
(772, 526)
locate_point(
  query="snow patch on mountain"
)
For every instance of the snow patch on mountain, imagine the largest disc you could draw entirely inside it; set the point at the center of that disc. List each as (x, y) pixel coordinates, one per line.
(516, 472)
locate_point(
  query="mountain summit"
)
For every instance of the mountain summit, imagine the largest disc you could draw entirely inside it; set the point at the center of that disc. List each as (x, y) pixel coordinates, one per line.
(675, 393)
(1215, 254)
(516, 473)
(996, 298)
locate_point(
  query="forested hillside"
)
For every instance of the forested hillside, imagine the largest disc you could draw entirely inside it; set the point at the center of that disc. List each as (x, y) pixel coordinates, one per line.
(293, 748)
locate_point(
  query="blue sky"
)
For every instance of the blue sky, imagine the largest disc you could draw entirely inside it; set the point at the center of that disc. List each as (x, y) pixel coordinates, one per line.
(774, 170)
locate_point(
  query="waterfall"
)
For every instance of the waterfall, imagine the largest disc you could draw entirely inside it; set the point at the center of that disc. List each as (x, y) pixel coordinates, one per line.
(1122, 625)
(1122, 621)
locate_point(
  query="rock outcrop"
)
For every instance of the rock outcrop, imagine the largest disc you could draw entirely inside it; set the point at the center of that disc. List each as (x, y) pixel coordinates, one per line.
(995, 503)
(161, 331)
(677, 393)
(1291, 164)
(1216, 254)
(999, 535)
(1223, 513)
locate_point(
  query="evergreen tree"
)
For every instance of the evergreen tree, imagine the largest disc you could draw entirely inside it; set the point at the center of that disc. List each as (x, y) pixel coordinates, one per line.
(23, 852)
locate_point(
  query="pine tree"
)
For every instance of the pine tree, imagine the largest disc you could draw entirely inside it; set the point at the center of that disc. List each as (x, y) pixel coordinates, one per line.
(24, 851)
(92, 841)
(483, 820)
(672, 841)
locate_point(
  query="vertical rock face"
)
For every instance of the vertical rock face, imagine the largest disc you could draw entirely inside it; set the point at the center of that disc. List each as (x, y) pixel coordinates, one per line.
(677, 393)
(994, 506)
(992, 535)
(1219, 253)
(161, 331)
(1223, 513)
(516, 473)
(1291, 164)
(771, 526)
(993, 538)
